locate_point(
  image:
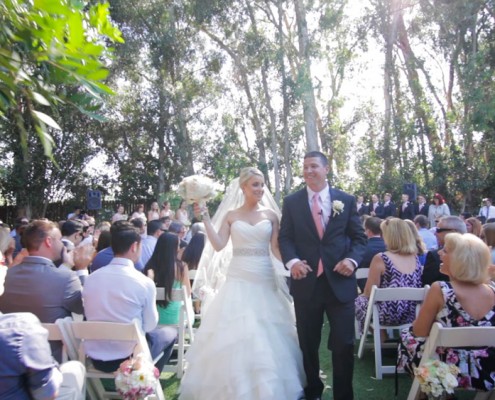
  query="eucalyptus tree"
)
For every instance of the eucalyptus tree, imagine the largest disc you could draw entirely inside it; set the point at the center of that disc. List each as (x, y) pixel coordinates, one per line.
(53, 54)
(165, 71)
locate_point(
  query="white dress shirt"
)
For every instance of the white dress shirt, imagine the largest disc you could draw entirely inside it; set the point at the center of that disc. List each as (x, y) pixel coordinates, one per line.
(148, 245)
(118, 293)
(487, 212)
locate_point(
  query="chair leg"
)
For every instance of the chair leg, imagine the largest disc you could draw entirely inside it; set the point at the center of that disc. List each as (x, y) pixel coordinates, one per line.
(378, 352)
(414, 391)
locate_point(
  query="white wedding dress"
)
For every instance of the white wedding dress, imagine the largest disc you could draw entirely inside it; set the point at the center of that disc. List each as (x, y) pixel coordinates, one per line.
(246, 347)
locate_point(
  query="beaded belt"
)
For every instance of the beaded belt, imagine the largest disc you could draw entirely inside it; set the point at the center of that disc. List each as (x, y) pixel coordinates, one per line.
(250, 252)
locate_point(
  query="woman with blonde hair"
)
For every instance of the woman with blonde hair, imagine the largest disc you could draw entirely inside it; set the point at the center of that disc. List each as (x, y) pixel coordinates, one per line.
(466, 300)
(399, 266)
(153, 212)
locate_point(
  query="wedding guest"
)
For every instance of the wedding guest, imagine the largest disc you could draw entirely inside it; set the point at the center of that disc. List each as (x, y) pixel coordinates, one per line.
(420, 244)
(139, 213)
(361, 207)
(467, 300)
(38, 286)
(119, 293)
(119, 215)
(31, 372)
(19, 226)
(374, 246)
(103, 241)
(437, 210)
(154, 211)
(488, 236)
(399, 266)
(375, 207)
(431, 270)
(473, 225)
(194, 249)
(72, 233)
(487, 210)
(181, 214)
(154, 229)
(7, 247)
(406, 209)
(429, 238)
(166, 211)
(170, 273)
(421, 207)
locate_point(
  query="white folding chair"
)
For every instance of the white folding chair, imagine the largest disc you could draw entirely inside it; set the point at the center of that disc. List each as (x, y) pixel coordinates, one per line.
(373, 320)
(361, 273)
(469, 336)
(78, 332)
(185, 330)
(55, 334)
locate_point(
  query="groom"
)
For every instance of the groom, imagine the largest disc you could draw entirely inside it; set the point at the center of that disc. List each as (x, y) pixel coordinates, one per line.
(322, 242)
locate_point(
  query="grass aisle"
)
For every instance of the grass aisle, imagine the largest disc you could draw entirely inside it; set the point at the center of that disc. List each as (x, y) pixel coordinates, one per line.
(366, 387)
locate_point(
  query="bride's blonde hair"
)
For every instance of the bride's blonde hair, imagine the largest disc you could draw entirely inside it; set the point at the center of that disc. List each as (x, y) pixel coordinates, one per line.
(247, 173)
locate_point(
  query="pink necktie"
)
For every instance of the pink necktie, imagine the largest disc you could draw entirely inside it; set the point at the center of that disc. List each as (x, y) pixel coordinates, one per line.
(317, 217)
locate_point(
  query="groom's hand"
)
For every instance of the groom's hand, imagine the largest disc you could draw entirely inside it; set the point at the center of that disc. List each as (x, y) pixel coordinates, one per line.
(344, 267)
(300, 270)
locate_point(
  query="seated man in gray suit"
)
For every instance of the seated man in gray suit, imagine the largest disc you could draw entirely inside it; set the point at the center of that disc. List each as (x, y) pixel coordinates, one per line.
(36, 285)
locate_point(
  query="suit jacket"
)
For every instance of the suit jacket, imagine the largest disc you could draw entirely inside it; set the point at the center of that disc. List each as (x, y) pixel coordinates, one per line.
(37, 286)
(364, 210)
(378, 211)
(424, 210)
(431, 270)
(387, 211)
(408, 213)
(343, 238)
(375, 245)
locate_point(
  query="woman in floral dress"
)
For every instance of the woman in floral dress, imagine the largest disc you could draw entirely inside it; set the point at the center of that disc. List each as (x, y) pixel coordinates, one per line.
(467, 300)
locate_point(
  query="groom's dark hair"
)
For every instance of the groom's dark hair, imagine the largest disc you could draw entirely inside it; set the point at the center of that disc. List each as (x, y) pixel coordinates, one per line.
(317, 154)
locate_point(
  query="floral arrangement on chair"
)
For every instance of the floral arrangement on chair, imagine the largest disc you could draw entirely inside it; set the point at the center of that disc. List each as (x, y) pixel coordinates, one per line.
(136, 378)
(197, 189)
(437, 378)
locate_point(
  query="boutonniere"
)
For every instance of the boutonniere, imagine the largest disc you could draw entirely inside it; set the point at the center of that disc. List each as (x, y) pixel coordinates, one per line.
(337, 207)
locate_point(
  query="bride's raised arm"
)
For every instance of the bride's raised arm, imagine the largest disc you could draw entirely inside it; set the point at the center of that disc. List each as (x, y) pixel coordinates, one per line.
(218, 239)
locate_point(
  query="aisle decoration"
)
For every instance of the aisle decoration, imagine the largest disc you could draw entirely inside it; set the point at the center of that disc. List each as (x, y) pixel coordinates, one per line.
(136, 378)
(437, 378)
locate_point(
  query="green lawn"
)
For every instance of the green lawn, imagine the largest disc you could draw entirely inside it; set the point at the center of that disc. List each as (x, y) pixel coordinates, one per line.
(366, 387)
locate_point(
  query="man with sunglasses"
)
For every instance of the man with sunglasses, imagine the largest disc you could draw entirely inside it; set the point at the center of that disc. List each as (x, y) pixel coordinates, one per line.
(431, 270)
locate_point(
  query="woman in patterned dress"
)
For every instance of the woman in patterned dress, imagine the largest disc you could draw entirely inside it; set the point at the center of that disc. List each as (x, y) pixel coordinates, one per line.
(467, 300)
(399, 266)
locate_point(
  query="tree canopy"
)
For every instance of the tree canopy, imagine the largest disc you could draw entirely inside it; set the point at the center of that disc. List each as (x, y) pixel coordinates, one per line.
(392, 91)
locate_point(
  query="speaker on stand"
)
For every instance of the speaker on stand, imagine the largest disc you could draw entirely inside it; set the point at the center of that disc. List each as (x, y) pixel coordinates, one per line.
(93, 200)
(411, 190)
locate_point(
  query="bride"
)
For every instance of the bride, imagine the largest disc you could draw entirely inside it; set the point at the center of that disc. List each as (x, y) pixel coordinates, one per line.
(246, 347)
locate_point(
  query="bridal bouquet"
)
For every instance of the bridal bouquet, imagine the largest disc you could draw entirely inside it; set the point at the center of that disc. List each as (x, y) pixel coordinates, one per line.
(136, 378)
(197, 189)
(436, 378)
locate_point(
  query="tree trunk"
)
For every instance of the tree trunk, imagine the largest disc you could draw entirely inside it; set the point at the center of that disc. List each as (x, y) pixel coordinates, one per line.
(305, 80)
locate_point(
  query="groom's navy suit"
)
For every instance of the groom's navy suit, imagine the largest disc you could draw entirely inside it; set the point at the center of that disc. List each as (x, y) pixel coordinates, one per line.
(331, 293)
